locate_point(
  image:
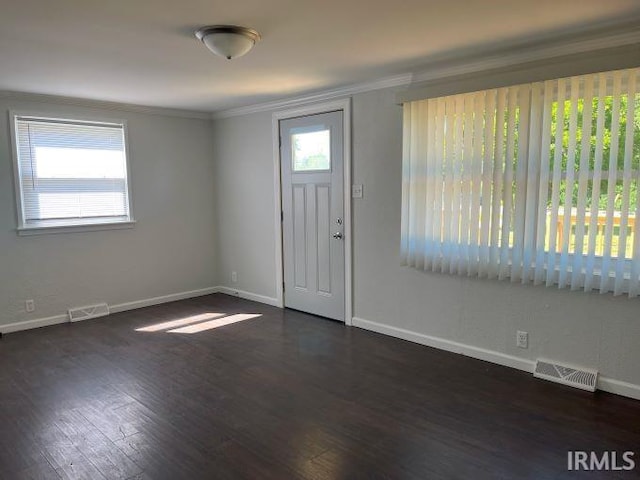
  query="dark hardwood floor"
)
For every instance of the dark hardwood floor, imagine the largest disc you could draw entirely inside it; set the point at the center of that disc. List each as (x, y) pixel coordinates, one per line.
(282, 396)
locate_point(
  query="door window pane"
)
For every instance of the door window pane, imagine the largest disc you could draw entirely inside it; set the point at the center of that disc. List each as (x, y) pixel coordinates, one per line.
(311, 151)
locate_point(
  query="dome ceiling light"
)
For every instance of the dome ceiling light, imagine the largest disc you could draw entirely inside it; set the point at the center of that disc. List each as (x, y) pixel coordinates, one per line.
(228, 41)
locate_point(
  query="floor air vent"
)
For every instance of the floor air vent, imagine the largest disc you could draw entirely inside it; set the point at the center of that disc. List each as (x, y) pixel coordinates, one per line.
(583, 378)
(85, 313)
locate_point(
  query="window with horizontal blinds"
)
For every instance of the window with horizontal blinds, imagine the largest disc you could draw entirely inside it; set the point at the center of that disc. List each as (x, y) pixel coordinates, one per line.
(71, 172)
(535, 182)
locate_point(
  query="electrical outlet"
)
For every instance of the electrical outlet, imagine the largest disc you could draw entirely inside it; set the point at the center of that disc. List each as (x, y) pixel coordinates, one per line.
(522, 339)
(234, 277)
(30, 305)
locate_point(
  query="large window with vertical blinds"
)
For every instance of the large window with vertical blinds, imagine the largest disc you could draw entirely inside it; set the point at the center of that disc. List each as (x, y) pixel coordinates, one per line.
(70, 172)
(537, 183)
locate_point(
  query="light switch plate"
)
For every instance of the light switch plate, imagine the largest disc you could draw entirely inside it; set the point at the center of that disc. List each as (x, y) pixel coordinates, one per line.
(356, 191)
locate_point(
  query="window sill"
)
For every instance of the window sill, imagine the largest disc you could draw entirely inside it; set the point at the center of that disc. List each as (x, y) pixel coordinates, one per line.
(73, 228)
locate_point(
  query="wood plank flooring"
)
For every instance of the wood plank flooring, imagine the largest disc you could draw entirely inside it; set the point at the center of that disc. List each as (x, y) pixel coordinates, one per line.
(285, 395)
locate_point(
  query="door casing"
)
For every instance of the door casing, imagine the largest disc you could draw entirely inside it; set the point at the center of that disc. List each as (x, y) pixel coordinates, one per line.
(343, 105)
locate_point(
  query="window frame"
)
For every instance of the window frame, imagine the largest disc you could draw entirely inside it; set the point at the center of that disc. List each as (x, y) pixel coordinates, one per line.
(68, 225)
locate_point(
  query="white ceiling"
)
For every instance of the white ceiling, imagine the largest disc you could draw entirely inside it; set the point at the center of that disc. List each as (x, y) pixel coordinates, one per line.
(144, 52)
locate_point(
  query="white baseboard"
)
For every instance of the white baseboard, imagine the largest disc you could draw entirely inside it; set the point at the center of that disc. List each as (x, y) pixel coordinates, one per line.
(604, 383)
(448, 345)
(249, 296)
(148, 302)
(121, 307)
(35, 323)
(619, 387)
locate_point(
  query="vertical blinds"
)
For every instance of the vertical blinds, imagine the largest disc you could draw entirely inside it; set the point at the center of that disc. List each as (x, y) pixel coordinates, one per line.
(537, 183)
(71, 170)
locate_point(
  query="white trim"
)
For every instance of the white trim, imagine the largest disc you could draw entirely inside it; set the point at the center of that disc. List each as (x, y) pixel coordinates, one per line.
(104, 105)
(147, 302)
(543, 49)
(345, 106)
(89, 227)
(604, 383)
(35, 323)
(348, 244)
(121, 307)
(254, 297)
(619, 387)
(447, 345)
(322, 96)
(15, 164)
(581, 40)
(275, 137)
(172, 297)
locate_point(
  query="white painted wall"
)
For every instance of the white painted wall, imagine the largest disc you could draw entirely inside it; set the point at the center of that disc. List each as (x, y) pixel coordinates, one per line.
(171, 249)
(584, 329)
(245, 203)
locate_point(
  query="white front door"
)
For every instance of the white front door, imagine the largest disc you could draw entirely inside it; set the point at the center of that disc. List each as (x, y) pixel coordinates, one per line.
(312, 202)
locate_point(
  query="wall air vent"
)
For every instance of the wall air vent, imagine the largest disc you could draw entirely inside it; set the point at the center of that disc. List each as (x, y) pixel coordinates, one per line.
(85, 313)
(583, 378)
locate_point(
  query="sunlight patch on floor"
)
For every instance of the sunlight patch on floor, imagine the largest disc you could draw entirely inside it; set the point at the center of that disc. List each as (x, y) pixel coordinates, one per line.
(180, 322)
(201, 327)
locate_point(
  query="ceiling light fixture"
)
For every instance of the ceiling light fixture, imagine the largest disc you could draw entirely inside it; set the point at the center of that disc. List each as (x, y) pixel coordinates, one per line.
(228, 41)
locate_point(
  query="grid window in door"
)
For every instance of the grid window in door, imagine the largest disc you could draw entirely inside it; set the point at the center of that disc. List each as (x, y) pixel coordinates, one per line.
(311, 151)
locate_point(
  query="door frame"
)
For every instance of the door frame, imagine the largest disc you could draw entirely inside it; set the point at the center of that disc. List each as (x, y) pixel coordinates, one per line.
(343, 105)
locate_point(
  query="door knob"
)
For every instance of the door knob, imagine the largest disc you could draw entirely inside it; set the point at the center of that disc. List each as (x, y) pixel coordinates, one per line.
(337, 235)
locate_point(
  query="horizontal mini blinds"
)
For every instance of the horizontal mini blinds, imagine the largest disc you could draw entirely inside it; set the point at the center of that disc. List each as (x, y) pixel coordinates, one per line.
(536, 183)
(71, 170)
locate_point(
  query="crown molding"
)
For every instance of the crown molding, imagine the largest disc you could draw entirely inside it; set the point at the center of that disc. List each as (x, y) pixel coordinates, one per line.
(323, 96)
(570, 43)
(580, 40)
(104, 105)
